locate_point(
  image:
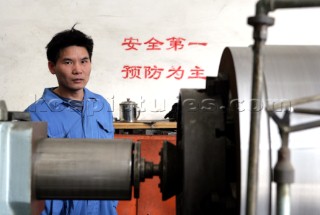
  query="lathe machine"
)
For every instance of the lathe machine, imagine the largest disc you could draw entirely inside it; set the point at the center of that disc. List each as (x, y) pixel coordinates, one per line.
(246, 144)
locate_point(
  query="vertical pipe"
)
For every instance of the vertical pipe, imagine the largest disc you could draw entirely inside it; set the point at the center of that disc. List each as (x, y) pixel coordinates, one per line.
(260, 22)
(254, 128)
(283, 170)
(283, 199)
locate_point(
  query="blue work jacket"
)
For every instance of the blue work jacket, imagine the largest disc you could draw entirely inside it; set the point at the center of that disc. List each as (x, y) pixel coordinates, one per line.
(94, 121)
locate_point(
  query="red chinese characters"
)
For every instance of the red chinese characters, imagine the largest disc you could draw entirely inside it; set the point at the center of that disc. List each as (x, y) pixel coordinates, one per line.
(197, 44)
(153, 44)
(177, 73)
(176, 43)
(152, 72)
(155, 72)
(131, 72)
(197, 72)
(131, 43)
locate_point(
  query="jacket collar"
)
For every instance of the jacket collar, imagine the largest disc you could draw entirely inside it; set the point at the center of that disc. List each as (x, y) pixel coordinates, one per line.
(54, 101)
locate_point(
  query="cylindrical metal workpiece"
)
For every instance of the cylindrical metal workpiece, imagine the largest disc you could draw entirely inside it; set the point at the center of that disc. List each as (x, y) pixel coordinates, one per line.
(83, 169)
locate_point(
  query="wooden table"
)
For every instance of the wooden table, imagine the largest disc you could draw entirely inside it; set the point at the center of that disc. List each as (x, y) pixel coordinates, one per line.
(145, 125)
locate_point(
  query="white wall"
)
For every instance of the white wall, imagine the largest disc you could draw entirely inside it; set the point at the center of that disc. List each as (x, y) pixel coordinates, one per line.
(28, 25)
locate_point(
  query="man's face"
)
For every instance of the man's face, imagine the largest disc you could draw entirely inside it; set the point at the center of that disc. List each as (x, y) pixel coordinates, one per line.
(72, 69)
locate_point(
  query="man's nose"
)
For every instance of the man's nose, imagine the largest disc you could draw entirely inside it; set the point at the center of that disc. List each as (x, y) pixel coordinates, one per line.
(77, 68)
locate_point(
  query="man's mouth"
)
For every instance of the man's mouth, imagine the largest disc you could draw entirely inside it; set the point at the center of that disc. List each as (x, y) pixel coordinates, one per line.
(77, 80)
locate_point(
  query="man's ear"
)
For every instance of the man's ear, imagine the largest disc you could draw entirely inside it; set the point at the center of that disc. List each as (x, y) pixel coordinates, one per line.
(51, 67)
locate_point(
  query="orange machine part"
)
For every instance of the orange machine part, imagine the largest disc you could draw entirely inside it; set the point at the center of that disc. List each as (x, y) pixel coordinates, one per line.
(150, 201)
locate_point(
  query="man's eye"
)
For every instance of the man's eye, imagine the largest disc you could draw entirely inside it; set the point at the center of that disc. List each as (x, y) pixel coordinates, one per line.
(67, 62)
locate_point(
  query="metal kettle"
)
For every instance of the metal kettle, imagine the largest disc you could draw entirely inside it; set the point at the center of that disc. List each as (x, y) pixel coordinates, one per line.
(129, 111)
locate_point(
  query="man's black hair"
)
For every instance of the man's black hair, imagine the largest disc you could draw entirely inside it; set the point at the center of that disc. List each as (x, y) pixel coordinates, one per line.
(67, 38)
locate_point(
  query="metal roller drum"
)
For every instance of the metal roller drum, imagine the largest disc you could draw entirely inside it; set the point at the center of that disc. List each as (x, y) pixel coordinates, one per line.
(291, 73)
(83, 169)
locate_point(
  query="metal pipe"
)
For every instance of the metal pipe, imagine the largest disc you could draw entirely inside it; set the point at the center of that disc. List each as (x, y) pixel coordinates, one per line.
(271, 5)
(254, 131)
(276, 4)
(260, 23)
(283, 170)
(304, 126)
(83, 169)
(307, 111)
(283, 199)
(293, 102)
(283, 176)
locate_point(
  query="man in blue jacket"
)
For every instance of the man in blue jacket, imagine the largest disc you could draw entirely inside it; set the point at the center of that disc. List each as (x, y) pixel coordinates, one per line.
(72, 111)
